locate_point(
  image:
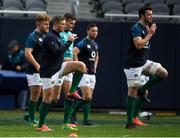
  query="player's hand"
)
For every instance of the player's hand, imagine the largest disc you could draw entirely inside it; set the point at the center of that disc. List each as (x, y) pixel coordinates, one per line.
(94, 70)
(86, 70)
(72, 37)
(152, 29)
(95, 67)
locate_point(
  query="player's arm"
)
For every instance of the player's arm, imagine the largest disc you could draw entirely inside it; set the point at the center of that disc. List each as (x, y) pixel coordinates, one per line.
(50, 42)
(140, 42)
(31, 59)
(96, 62)
(76, 51)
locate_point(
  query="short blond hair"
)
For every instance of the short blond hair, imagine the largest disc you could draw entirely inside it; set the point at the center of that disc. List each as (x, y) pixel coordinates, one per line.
(42, 17)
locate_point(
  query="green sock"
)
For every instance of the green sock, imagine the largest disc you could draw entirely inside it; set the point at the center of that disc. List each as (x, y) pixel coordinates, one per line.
(68, 104)
(32, 110)
(86, 109)
(152, 80)
(52, 104)
(76, 79)
(42, 113)
(130, 103)
(77, 106)
(138, 104)
(38, 103)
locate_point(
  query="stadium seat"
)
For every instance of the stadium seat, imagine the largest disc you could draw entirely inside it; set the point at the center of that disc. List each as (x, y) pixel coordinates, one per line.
(176, 11)
(0, 3)
(44, 1)
(111, 6)
(34, 9)
(160, 9)
(104, 1)
(133, 8)
(125, 2)
(12, 3)
(34, 4)
(149, 2)
(172, 3)
(99, 4)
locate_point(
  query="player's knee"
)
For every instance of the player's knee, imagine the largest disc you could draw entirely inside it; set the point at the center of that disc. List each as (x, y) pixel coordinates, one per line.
(34, 97)
(163, 73)
(132, 92)
(82, 67)
(55, 99)
(88, 98)
(47, 99)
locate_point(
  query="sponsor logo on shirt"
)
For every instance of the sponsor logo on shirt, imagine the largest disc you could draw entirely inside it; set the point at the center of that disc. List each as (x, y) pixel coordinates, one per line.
(88, 46)
(40, 39)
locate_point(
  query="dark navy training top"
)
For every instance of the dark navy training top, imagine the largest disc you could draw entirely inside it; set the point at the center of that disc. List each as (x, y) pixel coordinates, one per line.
(137, 57)
(53, 54)
(88, 53)
(34, 41)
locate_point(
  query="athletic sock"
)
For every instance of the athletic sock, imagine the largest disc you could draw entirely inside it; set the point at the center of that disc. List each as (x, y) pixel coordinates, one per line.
(38, 103)
(130, 103)
(32, 110)
(77, 106)
(42, 113)
(68, 104)
(86, 109)
(53, 103)
(152, 80)
(138, 104)
(76, 79)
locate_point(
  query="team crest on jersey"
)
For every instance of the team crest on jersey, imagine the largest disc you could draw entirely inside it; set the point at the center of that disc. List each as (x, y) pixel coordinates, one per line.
(88, 46)
(40, 39)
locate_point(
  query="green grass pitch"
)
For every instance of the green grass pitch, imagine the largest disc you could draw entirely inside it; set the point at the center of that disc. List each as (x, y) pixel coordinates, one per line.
(108, 125)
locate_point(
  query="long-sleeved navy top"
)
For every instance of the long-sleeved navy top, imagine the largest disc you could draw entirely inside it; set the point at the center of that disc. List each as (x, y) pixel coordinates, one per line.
(53, 54)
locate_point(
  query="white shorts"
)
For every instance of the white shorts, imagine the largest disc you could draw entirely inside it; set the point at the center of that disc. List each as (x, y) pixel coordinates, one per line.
(68, 77)
(55, 79)
(59, 82)
(34, 79)
(88, 80)
(135, 76)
